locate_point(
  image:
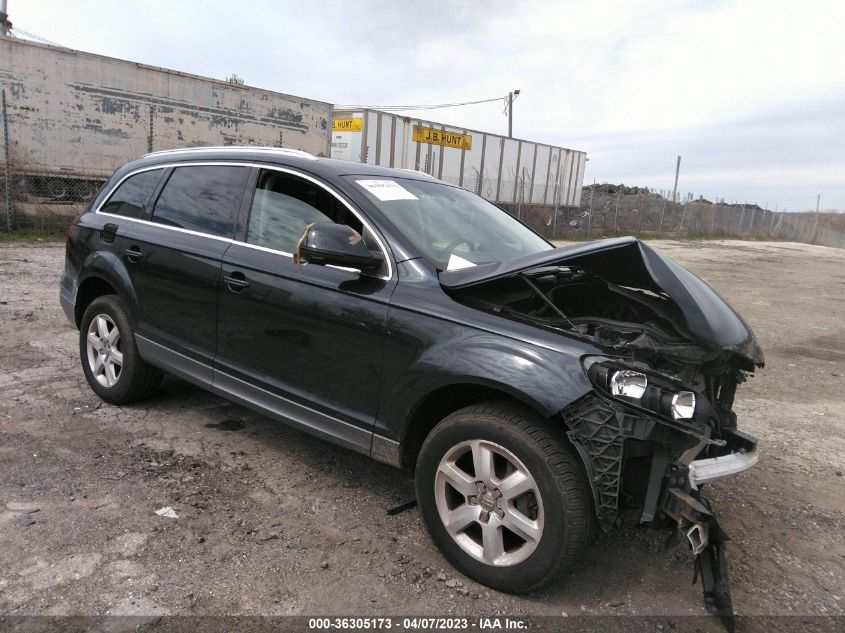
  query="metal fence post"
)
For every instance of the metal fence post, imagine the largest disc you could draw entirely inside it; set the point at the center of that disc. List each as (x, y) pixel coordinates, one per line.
(557, 196)
(662, 213)
(683, 217)
(7, 174)
(776, 229)
(616, 213)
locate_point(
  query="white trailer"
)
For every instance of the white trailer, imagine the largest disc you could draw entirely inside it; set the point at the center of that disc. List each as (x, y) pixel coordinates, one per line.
(501, 169)
(74, 117)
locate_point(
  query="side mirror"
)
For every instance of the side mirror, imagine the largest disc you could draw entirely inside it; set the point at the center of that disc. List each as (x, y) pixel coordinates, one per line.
(337, 245)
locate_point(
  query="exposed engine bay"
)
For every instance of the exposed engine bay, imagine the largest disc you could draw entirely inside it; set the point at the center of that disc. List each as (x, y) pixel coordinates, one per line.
(641, 324)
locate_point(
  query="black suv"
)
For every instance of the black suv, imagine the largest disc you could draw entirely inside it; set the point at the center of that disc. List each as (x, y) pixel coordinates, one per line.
(531, 388)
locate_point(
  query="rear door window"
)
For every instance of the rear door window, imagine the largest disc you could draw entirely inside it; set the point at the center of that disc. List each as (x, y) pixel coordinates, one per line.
(203, 198)
(132, 195)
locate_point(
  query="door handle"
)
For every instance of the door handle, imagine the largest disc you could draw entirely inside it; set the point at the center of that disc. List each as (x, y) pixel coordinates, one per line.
(236, 282)
(133, 254)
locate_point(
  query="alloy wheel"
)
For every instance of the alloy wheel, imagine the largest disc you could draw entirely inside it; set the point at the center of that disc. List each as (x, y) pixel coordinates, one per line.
(105, 357)
(489, 503)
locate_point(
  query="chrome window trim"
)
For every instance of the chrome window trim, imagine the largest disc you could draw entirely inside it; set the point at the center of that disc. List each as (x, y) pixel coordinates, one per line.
(387, 258)
(166, 166)
(281, 151)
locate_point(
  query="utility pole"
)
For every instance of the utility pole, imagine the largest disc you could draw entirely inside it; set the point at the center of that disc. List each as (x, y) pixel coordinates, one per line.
(5, 24)
(816, 227)
(511, 96)
(675, 189)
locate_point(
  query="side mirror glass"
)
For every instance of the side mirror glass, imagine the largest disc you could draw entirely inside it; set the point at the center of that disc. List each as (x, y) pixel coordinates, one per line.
(326, 243)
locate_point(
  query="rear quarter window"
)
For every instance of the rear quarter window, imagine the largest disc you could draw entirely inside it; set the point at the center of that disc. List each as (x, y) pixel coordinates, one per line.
(132, 194)
(202, 198)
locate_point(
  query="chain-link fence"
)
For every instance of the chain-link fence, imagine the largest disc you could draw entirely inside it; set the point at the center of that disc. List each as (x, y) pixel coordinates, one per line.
(611, 210)
(47, 178)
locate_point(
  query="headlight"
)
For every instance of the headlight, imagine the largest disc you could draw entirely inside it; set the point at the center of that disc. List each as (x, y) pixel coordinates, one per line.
(628, 383)
(683, 405)
(655, 393)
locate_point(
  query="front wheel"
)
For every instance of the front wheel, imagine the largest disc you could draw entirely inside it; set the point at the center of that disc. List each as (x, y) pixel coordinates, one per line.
(503, 496)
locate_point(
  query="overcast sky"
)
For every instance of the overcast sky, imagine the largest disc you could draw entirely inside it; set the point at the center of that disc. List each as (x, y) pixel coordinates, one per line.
(751, 94)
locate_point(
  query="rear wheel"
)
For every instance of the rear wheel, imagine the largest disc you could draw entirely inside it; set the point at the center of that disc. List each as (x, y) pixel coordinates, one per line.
(503, 496)
(110, 359)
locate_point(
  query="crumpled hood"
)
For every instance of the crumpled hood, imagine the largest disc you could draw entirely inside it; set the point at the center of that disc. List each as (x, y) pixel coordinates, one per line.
(626, 261)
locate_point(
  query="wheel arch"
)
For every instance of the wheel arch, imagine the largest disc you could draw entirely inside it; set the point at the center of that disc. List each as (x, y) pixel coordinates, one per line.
(105, 273)
(93, 287)
(441, 402)
(435, 406)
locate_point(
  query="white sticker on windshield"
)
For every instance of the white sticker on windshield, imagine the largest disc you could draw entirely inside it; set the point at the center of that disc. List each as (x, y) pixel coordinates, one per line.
(456, 263)
(386, 190)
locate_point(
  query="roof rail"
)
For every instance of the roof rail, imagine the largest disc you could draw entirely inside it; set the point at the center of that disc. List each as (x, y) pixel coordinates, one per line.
(298, 153)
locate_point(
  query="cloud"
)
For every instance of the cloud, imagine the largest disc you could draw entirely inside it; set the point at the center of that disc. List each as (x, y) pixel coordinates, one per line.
(749, 92)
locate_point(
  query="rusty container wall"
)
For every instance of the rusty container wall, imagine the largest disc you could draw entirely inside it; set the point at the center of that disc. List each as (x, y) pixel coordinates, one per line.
(497, 168)
(83, 115)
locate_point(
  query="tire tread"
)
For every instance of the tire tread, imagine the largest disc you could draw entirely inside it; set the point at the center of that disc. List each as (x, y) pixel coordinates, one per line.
(145, 379)
(563, 465)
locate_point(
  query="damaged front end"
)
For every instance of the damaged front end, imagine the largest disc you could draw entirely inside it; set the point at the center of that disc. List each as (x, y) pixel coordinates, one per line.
(659, 423)
(658, 467)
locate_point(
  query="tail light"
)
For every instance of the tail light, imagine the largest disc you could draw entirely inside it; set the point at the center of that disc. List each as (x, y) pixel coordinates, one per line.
(69, 233)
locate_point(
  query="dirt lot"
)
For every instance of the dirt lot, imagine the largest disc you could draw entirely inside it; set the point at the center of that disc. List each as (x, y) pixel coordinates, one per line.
(272, 521)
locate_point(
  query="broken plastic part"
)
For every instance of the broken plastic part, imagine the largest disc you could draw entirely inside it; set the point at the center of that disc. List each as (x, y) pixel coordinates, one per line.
(697, 537)
(703, 470)
(712, 566)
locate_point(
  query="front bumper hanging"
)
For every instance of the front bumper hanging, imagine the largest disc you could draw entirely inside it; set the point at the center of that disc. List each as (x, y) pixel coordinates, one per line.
(682, 501)
(599, 429)
(742, 456)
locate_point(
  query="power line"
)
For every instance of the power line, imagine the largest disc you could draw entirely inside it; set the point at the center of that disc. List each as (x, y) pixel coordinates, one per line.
(436, 106)
(27, 35)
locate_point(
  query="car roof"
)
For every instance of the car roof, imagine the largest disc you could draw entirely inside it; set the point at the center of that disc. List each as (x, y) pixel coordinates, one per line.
(326, 167)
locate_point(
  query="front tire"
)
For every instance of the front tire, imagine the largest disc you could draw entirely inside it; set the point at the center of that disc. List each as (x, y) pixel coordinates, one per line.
(503, 496)
(113, 368)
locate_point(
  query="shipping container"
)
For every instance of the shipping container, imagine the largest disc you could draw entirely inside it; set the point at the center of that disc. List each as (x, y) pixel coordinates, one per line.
(501, 169)
(74, 117)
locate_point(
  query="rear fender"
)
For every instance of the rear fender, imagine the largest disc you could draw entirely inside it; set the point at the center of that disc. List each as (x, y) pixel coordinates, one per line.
(110, 268)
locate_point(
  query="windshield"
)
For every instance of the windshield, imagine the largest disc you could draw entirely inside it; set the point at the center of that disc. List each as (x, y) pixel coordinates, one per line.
(452, 227)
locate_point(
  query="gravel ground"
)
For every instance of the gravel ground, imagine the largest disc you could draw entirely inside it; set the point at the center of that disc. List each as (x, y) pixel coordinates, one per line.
(273, 521)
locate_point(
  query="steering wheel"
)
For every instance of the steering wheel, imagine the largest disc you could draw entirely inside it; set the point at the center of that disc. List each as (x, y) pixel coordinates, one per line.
(455, 243)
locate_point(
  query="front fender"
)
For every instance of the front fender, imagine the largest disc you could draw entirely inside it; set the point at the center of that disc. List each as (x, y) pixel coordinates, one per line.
(547, 380)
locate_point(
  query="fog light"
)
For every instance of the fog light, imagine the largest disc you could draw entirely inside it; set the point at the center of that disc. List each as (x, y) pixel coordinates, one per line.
(683, 405)
(628, 383)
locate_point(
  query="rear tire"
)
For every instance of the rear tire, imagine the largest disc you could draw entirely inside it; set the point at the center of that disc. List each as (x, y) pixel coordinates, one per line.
(529, 521)
(113, 368)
